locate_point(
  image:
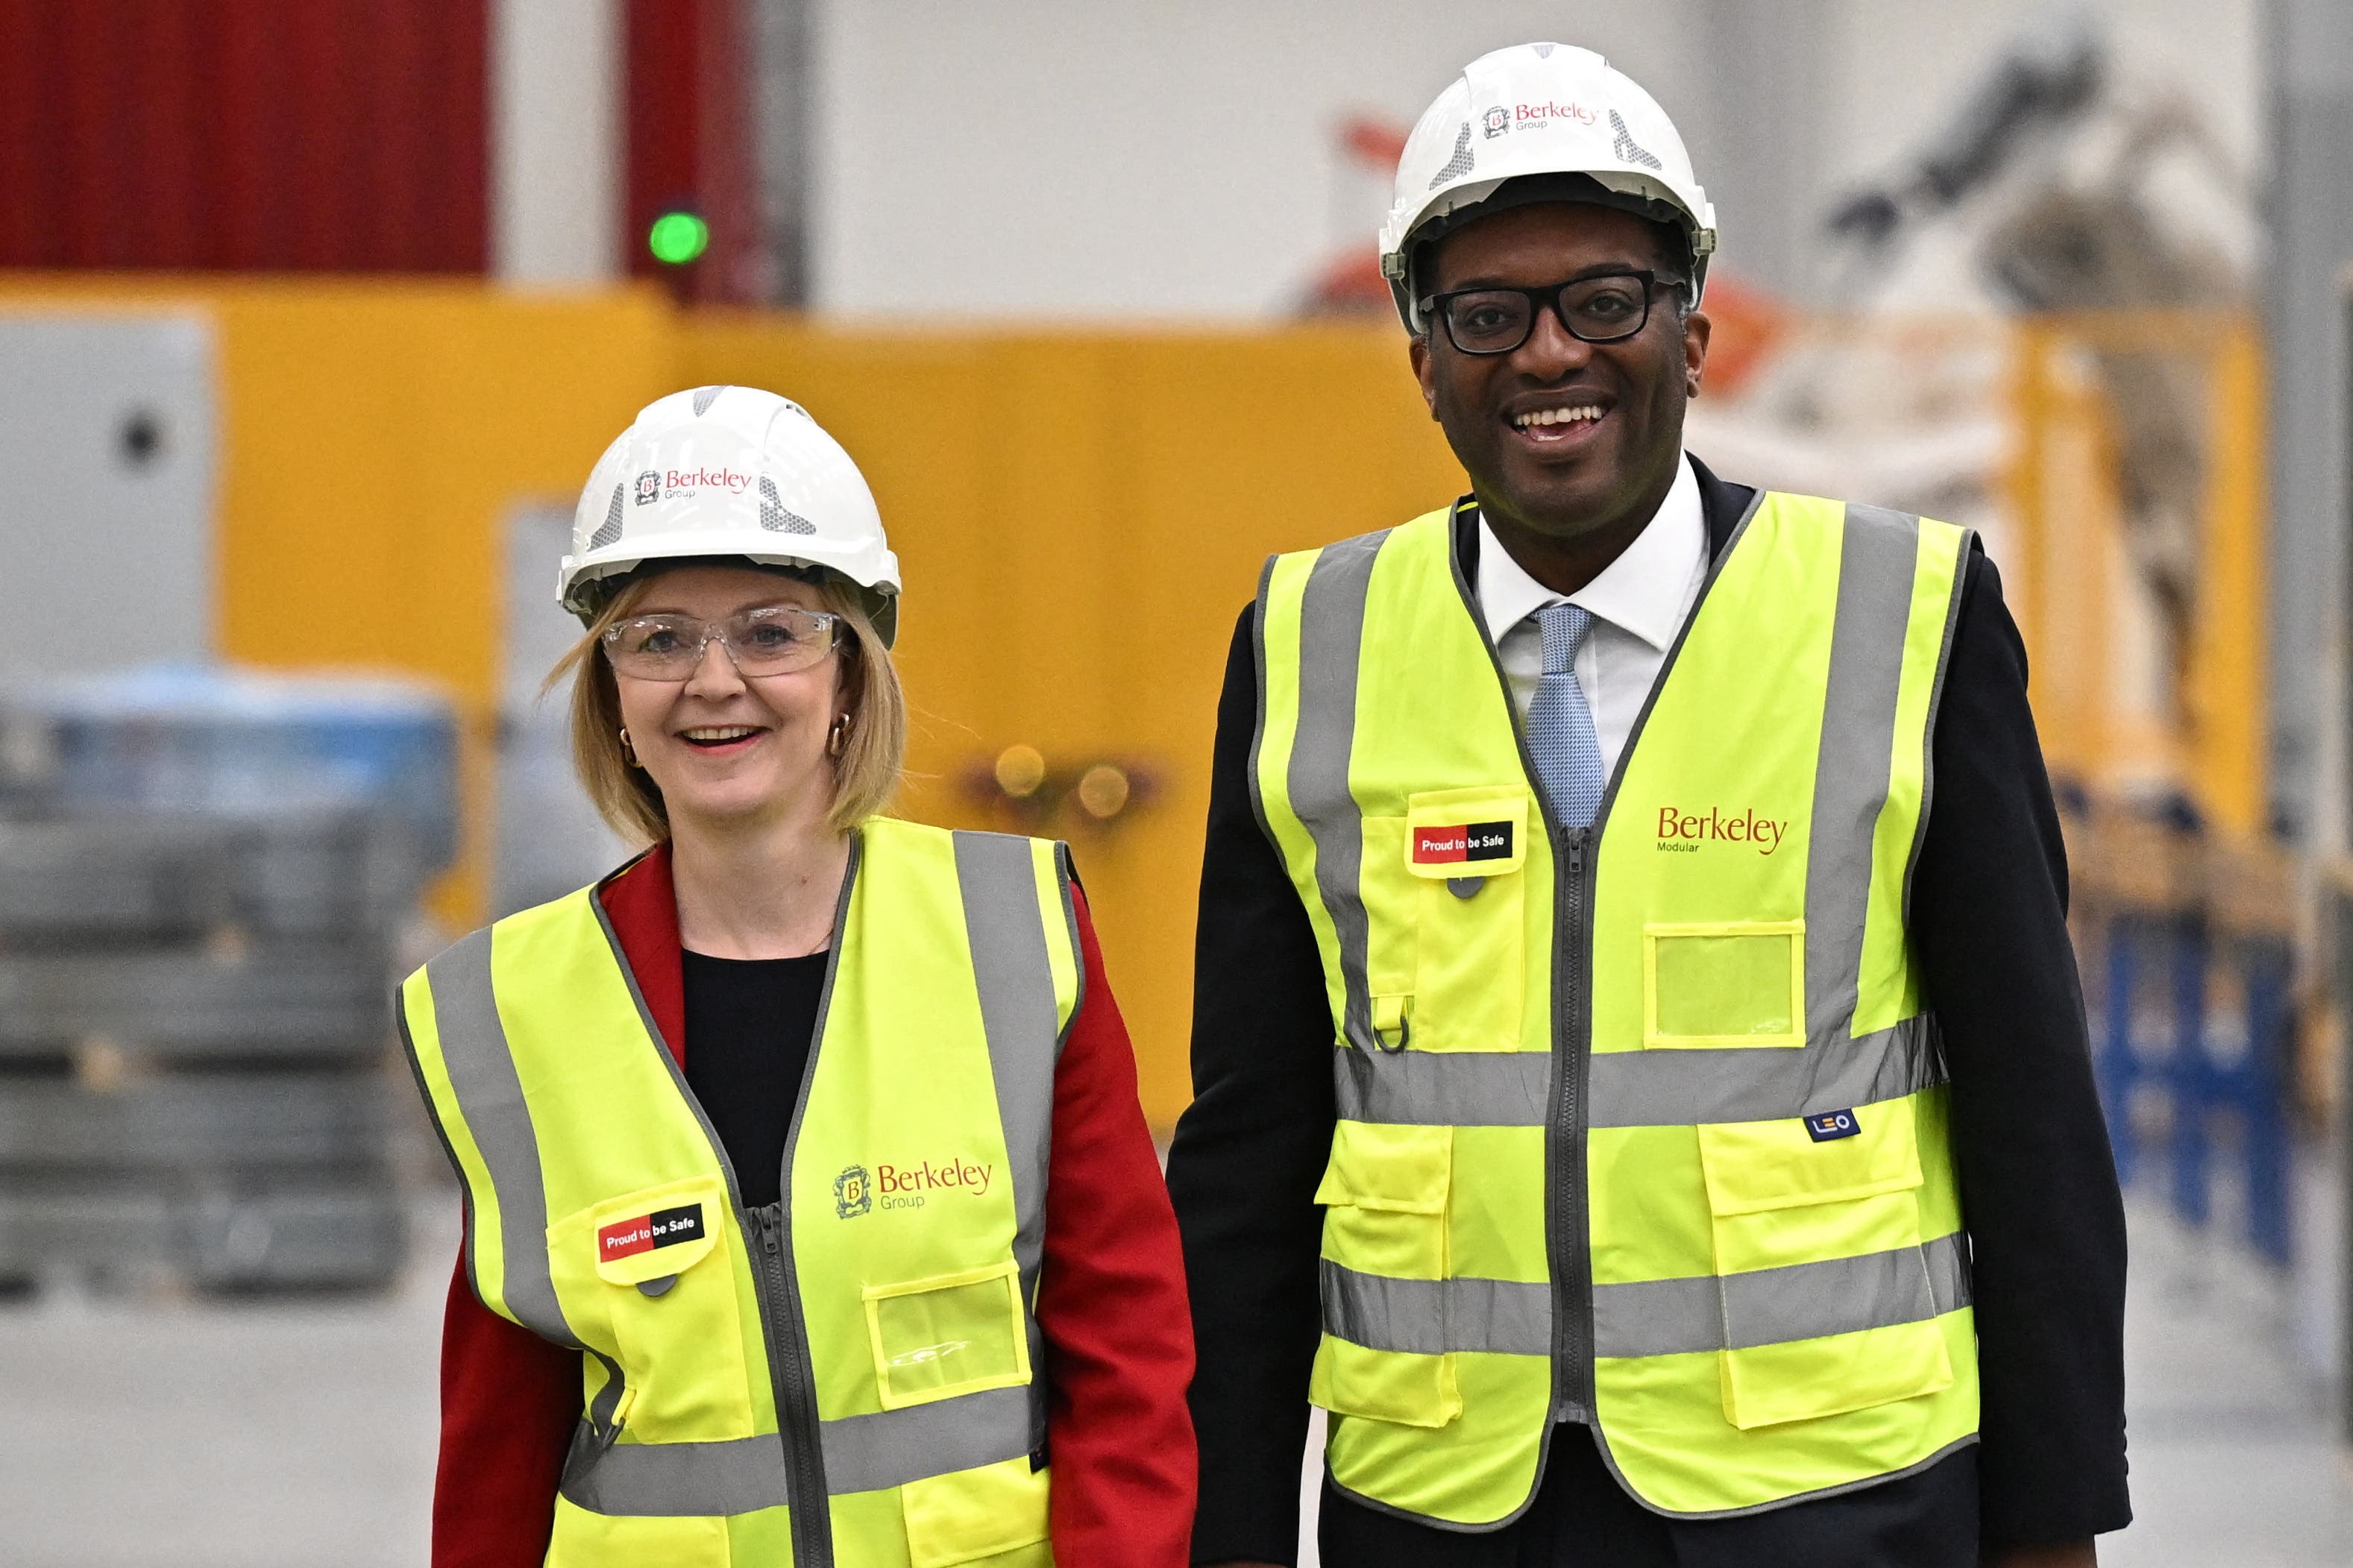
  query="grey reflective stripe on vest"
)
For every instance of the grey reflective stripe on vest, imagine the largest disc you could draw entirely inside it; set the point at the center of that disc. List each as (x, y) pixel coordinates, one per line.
(1431, 1317)
(1878, 557)
(1652, 1317)
(482, 1074)
(1640, 1088)
(1331, 633)
(1004, 925)
(862, 1454)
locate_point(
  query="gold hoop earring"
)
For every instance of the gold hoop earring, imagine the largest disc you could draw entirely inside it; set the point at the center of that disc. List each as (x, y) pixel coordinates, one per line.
(630, 749)
(838, 736)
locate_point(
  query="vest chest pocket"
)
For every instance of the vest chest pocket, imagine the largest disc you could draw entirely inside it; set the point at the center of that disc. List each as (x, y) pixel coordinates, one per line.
(1464, 890)
(949, 1334)
(1825, 1294)
(1725, 984)
(657, 1276)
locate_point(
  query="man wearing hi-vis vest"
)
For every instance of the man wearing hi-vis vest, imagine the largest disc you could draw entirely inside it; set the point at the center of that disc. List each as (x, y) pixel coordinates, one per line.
(1643, 1090)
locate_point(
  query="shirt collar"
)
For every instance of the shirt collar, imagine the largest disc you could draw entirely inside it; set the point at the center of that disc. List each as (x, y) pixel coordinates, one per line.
(1643, 591)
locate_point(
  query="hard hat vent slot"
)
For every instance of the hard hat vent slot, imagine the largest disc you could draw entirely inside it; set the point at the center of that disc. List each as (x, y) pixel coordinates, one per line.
(774, 515)
(1544, 51)
(1627, 148)
(610, 533)
(1461, 163)
(704, 396)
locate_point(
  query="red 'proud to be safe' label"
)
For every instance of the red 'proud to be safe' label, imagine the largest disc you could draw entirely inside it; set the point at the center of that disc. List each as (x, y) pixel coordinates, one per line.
(664, 1227)
(1446, 845)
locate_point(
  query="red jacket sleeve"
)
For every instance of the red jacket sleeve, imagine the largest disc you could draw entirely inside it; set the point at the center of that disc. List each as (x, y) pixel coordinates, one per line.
(1111, 1301)
(509, 1403)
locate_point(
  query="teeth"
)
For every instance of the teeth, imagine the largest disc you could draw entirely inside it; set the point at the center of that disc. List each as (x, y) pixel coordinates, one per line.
(1556, 417)
(721, 732)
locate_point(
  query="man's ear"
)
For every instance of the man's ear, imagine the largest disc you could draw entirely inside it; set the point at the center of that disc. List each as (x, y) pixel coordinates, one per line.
(1418, 352)
(1696, 327)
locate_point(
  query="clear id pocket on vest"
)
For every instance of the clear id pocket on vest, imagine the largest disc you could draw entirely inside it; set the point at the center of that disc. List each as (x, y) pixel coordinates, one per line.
(969, 1515)
(1723, 983)
(949, 1334)
(1827, 1302)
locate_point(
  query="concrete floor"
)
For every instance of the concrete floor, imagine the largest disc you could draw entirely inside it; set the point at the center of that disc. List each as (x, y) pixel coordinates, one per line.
(202, 1436)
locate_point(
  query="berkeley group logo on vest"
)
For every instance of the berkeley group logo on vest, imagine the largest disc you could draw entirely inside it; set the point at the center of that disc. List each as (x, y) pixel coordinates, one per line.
(906, 1186)
(1682, 832)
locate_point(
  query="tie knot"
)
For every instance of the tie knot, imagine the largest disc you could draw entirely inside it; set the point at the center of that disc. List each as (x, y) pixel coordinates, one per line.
(1564, 627)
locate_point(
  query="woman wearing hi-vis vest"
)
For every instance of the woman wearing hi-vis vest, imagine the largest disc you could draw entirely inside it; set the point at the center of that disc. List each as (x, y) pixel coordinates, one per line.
(810, 1215)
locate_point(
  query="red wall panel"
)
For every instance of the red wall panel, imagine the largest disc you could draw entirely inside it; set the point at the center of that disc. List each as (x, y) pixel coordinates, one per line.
(278, 136)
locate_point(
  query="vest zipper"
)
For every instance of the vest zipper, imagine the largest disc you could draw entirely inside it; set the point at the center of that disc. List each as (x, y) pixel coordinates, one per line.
(1571, 1249)
(789, 1381)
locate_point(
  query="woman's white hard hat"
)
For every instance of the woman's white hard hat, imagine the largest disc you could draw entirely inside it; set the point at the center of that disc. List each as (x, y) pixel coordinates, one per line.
(1536, 109)
(728, 471)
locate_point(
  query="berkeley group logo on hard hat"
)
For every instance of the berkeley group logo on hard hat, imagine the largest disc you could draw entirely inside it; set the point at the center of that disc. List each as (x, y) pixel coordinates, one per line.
(1497, 119)
(649, 487)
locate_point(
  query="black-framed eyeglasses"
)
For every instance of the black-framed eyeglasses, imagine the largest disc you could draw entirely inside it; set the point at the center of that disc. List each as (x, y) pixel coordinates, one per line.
(1605, 308)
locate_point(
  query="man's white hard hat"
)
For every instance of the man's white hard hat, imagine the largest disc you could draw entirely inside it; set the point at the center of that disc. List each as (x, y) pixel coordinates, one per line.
(1539, 109)
(728, 471)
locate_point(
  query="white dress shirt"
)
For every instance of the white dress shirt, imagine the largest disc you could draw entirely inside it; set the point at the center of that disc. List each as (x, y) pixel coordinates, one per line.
(1639, 605)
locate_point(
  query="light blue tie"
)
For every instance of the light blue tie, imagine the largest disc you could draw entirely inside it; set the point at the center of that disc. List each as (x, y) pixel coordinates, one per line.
(1561, 739)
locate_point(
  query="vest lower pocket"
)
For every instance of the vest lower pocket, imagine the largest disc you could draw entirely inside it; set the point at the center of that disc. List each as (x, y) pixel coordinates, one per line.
(946, 1335)
(1827, 1302)
(971, 1515)
(1404, 1389)
(1384, 1195)
(585, 1539)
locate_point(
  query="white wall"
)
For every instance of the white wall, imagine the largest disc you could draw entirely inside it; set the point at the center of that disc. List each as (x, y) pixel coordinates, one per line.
(1072, 158)
(555, 140)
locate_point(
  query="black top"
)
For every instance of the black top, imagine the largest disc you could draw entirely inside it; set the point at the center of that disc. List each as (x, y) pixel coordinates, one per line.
(1988, 928)
(749, 1022)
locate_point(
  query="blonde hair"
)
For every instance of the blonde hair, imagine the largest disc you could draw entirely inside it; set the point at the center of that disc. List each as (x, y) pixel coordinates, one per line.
(865, 773)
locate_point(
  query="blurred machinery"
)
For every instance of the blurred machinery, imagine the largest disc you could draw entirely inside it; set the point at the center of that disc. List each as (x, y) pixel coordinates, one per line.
(203, 879)
(2047, 334)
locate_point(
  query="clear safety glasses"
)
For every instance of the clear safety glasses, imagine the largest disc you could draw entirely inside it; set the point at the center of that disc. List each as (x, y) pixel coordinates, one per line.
(774, 639)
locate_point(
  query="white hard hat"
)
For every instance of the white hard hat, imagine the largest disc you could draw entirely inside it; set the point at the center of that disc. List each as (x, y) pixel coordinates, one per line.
(1541, 109)
(728, 471)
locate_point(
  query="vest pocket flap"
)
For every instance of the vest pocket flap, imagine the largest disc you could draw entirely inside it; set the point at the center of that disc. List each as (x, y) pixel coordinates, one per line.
(657, 1233)
(968, 1515)
(1454, 833)
(1396, 1386)
(1723, 983)
(1752, 1167)
(1378, 1165)
(949, 1334)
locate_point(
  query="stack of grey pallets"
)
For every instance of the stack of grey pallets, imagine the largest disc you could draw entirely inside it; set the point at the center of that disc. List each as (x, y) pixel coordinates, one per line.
(193, 1049)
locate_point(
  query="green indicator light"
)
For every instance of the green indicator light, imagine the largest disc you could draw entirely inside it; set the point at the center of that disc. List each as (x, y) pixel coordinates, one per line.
(678, 238)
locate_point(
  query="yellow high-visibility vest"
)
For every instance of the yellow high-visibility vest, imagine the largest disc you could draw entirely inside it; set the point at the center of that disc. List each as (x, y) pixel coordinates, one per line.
(852, 1376)
(1641, 1125)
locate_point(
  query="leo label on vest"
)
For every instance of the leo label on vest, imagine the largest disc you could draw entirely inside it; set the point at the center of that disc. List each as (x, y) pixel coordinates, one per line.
(1450, 844)
(1685, 831)
(1832, 1124)
(664, 1227)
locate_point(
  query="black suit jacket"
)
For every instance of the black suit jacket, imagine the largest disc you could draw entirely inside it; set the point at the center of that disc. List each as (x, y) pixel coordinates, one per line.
(2038, 1184)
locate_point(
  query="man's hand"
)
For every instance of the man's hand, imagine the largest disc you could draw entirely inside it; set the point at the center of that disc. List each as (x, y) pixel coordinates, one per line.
(2075, 1554)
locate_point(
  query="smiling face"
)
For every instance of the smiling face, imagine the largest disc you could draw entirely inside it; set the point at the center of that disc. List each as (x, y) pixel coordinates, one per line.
(1566, 443)
(722, 747)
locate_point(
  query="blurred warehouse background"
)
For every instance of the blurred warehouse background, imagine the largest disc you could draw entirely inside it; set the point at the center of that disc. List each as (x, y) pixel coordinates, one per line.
(315, 314)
